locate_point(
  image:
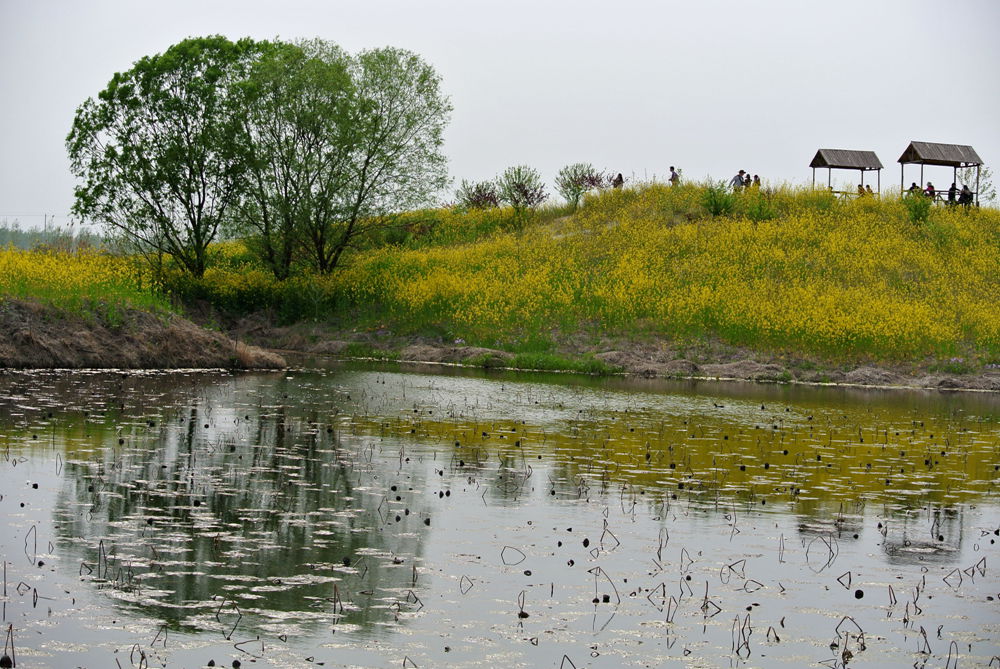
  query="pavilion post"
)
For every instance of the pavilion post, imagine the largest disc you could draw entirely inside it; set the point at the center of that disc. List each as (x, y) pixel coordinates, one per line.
(878, 175)
(977, 184)
(814, 178)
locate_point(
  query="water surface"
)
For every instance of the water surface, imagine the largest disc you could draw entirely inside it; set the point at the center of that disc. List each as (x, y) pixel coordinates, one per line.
(382, 517)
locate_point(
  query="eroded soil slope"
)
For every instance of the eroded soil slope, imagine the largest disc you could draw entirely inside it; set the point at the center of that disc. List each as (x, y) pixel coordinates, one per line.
(33, 335)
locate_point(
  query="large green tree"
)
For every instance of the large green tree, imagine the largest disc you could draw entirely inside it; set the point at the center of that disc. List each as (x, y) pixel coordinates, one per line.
(298, 147)
(395, 163)
(156, 150)
(297, 135)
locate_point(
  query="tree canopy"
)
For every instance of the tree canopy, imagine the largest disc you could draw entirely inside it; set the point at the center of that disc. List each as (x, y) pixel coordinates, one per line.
(395, 161)
(296, 137)
(299, 147)
(156, 150)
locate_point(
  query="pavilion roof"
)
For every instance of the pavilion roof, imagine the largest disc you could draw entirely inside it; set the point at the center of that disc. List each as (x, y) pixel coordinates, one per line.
(932, 153)
(846, 159)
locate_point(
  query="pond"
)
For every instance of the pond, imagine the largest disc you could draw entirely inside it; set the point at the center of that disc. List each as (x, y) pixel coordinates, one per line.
(365, 516)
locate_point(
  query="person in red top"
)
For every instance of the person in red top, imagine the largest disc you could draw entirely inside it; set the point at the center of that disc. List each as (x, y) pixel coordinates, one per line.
(929, 191)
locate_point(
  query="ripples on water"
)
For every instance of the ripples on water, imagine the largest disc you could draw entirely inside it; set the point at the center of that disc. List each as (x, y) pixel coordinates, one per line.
(367, 517)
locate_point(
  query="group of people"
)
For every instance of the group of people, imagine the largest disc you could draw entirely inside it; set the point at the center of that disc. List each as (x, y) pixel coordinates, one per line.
(743, 180)
(955, 196)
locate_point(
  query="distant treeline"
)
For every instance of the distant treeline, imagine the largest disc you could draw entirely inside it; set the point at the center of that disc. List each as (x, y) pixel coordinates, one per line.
(64, 239)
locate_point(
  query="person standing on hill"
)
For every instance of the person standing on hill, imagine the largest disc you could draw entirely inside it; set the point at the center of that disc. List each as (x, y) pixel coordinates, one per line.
(952, 194)
(675, 178)
(618, 181)
(737, 181)
(756, 181)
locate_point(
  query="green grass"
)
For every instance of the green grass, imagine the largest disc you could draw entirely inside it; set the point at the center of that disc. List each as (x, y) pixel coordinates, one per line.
(958, 366)
(358, 349)
(543, 362)
(553, 362)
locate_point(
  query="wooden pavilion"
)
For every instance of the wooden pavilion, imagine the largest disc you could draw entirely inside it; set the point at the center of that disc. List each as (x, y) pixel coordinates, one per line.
(947, 155)
(845, 159)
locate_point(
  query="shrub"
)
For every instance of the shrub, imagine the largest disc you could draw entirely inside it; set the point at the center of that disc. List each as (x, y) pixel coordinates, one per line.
(718, 200)
(478, 195)
(83, 281)
(521, 187)
(576, 179)
(820, 199)
(858, 281)
(918, 207)
(758, 206)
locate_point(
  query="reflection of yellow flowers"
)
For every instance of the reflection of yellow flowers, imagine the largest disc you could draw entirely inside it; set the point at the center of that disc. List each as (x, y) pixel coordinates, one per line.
(67, 279)
(777, 463)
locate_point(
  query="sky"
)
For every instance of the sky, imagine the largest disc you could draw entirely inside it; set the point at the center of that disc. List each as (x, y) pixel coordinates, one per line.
(709, 86)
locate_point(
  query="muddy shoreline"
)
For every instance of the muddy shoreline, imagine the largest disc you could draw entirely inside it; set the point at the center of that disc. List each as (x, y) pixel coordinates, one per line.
(648, 357)
(36, 336)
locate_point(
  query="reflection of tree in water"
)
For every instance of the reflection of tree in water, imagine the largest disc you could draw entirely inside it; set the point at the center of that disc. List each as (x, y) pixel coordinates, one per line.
(266, 512)
(819, 517)
(930, 534)
(97, 396)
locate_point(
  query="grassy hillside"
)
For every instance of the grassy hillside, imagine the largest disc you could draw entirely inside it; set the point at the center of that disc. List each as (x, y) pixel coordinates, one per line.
(790, 270)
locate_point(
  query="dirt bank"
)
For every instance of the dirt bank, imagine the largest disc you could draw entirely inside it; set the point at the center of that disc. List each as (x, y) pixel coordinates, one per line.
(649, 357)
(38, 336)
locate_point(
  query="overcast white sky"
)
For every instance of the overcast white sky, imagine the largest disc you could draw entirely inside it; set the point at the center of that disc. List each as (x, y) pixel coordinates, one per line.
(710, 86)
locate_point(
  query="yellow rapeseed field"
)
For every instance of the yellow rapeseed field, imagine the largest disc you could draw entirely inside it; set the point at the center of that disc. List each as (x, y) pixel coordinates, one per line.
(817, 276)
(77, 279)
(789, 269)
